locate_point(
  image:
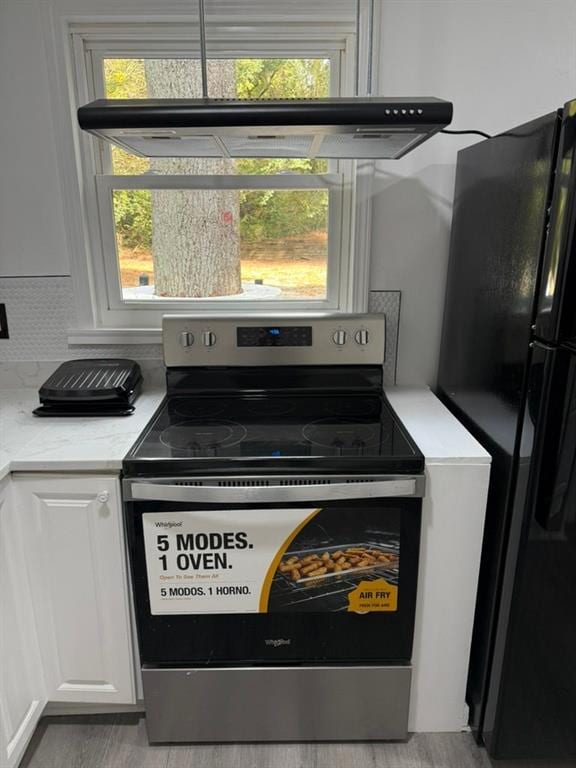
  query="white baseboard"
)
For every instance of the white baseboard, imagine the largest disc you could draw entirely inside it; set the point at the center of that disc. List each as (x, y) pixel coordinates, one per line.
(58, 708)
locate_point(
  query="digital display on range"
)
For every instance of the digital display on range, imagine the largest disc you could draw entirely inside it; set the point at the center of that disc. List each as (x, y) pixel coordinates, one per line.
(275, 336)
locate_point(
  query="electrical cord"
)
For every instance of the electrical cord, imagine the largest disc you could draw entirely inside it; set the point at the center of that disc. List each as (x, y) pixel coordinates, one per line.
(478, 133)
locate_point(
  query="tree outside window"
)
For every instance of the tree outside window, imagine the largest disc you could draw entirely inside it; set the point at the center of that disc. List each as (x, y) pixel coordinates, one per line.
(219, 243)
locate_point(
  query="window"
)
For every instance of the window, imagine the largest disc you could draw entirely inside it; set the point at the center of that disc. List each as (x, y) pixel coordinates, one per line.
(195, 234)
(255, 238)
(228, 243)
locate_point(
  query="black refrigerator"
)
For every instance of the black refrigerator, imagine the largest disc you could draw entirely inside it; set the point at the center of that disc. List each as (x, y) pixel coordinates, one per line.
(508, 372)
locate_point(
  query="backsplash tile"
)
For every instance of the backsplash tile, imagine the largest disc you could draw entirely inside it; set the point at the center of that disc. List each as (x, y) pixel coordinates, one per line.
(26, 373)
(40, 311)
(388, 303)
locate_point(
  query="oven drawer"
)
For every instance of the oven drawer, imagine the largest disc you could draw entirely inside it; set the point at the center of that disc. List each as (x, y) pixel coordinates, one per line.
(284, 581)
(277, 704)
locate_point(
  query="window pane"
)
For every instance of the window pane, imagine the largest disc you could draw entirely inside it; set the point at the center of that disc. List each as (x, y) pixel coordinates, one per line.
(227, 78)
(246, 244)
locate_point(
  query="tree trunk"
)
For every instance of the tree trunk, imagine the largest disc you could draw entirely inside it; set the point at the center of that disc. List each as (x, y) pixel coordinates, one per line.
(195, 233)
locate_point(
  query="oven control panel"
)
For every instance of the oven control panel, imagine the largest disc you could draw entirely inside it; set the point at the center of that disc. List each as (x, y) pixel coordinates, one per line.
(235, 341)
(274, 336)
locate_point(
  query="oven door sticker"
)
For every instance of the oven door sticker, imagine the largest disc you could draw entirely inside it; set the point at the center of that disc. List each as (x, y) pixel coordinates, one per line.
(272, 561)
(376, 595)
(216, 562)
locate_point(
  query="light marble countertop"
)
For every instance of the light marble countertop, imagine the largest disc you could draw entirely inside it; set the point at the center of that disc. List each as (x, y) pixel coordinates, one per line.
(30, 443)
(439, 435)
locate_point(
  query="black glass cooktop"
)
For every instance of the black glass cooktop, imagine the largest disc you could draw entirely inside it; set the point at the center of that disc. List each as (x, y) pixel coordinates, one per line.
(311, 432)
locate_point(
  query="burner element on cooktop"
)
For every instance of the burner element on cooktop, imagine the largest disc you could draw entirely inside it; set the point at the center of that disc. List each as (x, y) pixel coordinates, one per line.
(343, 434)
(198, 408)
(200, 435)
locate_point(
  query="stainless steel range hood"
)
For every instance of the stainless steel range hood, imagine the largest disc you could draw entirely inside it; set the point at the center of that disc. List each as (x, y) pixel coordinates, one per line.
(340, 128)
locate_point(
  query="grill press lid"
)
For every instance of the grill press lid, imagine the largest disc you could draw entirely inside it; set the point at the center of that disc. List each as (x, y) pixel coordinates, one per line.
(93, 379)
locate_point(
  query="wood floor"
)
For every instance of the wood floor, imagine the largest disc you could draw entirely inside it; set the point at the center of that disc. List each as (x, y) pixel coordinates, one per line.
(119, 741)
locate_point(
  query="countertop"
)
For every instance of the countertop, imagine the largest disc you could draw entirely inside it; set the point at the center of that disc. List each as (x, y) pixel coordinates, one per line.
(29, 443)
(438, 434)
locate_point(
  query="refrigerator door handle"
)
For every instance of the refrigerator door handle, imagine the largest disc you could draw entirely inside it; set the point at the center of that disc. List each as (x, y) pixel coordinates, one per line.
(549, 483)
(562, 492)
(541, 345)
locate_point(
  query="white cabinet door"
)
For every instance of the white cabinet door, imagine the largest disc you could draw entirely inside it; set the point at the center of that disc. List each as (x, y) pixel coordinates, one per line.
(22, 691)
(76, 558)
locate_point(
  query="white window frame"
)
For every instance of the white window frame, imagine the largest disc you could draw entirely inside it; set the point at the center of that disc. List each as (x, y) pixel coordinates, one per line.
(105, 186)
(103, 316)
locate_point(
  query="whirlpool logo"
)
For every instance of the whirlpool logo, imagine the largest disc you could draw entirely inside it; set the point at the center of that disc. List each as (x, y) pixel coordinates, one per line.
(276, 642)
(169, 524)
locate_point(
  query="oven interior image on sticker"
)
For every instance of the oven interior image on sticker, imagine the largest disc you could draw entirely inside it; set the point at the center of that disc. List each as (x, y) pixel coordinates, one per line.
(326, 569)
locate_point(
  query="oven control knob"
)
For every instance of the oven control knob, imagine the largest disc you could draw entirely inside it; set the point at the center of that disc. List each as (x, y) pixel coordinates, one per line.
(339, 338)
(186, 339)
(208, 338)
(361, 337)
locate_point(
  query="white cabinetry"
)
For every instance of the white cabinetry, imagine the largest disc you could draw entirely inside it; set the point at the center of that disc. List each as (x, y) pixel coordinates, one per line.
(77, 566)
(453, 511)
(22, 691)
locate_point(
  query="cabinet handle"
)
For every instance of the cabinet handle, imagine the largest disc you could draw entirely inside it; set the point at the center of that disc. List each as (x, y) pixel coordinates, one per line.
(103, 497)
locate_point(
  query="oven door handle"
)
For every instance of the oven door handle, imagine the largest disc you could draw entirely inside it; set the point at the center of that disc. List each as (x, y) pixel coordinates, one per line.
(405, 486)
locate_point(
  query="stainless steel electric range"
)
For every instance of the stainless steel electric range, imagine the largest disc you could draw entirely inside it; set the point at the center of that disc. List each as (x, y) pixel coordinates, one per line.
(273, 512)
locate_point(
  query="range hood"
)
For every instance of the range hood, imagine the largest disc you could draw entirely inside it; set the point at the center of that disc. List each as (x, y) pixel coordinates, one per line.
(339, 128)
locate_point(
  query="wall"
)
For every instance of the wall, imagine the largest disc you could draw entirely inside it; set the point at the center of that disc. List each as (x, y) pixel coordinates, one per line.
(32, 214)
(32, 238)
(502, 62)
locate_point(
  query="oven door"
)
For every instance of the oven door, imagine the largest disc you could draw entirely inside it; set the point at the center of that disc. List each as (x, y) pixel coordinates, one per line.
(262, 571)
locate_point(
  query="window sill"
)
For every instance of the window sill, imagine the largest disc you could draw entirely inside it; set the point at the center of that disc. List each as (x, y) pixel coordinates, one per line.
(95, 336)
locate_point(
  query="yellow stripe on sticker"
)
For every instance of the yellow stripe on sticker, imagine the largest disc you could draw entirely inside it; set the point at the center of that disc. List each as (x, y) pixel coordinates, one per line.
(377, 595)
(267, 585)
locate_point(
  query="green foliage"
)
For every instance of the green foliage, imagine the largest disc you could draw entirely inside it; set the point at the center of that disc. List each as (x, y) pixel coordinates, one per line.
(133, 217)
(282, 78)
(126, 79)
(271, 214)
(264, 214)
